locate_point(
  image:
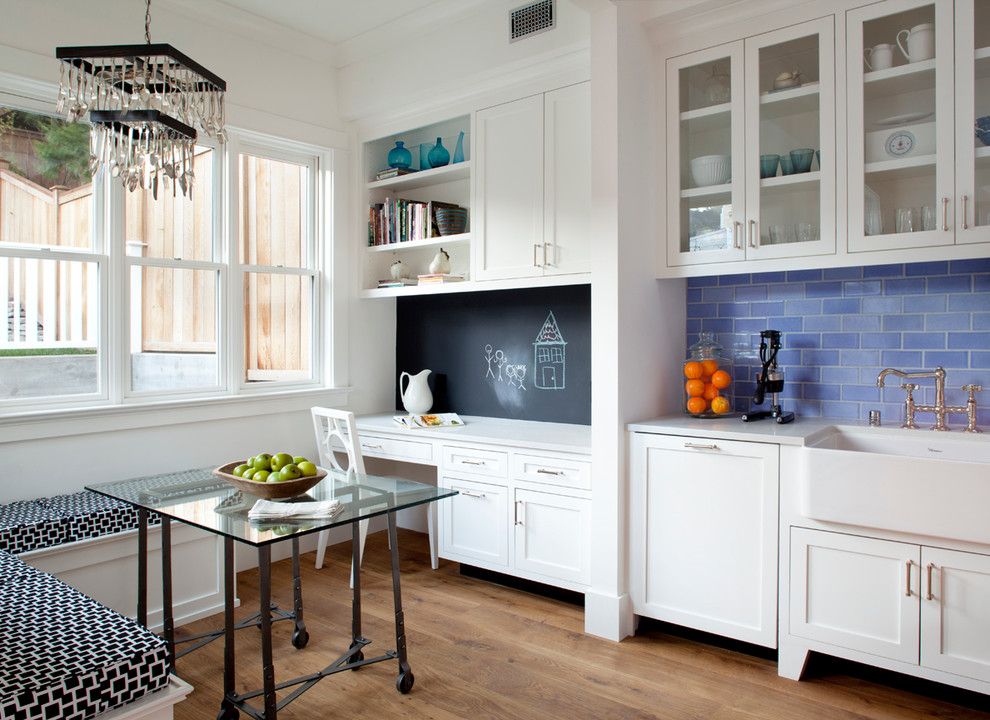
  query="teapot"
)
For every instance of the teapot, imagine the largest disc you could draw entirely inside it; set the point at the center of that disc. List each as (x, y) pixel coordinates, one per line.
(416, 396)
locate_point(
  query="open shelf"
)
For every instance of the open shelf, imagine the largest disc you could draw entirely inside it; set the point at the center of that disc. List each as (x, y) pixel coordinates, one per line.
(427, 242)
(725, 189)
(424, 178)
(982, 152)
(793, 179)
(902, 167)
(982, 53)
(793, 101)
(900, 79)
(708, 118)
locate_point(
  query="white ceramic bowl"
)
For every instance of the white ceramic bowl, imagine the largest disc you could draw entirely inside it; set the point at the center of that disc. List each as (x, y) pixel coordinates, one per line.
(710, 170)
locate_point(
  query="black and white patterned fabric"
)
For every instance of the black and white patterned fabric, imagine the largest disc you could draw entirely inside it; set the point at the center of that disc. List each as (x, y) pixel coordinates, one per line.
(34, 524)
(63, 655)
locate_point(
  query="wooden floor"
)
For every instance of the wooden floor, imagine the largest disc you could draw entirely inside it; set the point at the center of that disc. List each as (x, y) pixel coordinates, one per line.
(479, 650)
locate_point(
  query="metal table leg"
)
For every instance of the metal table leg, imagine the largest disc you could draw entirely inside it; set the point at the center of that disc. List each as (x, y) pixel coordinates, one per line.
(167, 620)
(300, 636)
(228, 710)
(142, 558)
(405, 680)
(357, 640)
(265, 607)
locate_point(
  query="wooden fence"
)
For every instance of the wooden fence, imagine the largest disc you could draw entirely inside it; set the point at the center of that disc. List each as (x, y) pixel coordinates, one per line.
(53, 303)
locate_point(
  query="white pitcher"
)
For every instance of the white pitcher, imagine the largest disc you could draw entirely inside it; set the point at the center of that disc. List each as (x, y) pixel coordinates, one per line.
(416, 396)
(920, 42)
(879, 57)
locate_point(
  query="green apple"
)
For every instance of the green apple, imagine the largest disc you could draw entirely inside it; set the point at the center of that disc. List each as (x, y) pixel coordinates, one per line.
(280, 460)
(260, 475)
(290, 472)
(262, 462)
(239, 470)
(299, 459)
(274, 476)
(307, 468)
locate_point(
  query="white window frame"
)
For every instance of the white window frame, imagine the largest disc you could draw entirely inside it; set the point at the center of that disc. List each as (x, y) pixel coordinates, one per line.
(33, 98)
(317, 162)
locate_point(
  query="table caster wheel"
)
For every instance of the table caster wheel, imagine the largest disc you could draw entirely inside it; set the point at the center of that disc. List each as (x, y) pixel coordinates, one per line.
(228, 712)
(356, 657)
(404, 682)
(300, 638)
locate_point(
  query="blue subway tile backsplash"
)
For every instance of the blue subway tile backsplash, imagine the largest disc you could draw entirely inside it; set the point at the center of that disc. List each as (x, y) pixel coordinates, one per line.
(842, 325)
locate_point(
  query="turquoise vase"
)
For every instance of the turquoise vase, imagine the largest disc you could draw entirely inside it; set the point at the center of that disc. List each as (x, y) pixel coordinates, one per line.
(438, 155)
(459, 150)
(399, 157)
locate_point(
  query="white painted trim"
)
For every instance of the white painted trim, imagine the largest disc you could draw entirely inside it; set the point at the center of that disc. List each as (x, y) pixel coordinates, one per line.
(156, 706)
(608, 616)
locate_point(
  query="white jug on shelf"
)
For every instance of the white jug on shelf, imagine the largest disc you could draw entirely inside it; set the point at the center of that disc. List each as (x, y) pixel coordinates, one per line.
(416, 396)
(920, 42)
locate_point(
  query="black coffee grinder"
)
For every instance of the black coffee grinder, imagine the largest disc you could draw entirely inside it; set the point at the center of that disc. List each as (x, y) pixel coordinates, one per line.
(770, 380)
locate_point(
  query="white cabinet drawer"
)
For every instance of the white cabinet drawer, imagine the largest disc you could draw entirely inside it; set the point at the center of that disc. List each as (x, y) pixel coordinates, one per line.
(552, 471)
(395, 449)
(490, 463)
(473, 524)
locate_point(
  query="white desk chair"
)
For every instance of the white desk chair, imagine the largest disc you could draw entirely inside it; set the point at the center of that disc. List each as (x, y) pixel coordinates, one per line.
(338, 425)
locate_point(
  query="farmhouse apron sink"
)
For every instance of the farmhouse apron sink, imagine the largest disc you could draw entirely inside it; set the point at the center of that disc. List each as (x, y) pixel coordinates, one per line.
(912, 481)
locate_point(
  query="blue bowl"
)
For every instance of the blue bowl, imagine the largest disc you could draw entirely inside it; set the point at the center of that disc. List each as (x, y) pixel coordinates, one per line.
(983, 129)
(768, 165)
(801, 159)
(785, 165)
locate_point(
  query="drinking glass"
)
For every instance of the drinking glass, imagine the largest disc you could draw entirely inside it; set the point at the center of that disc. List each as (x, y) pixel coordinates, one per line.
(928, 217)
(777, 234)
(905, 220)
(805, 232)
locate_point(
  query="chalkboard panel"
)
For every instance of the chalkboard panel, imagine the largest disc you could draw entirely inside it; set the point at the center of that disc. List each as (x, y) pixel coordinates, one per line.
(509, 353)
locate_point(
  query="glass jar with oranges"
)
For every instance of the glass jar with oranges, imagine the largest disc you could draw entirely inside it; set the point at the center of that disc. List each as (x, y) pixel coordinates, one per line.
(707, 379)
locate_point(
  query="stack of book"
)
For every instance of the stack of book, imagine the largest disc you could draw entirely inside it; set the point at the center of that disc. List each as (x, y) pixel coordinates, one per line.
(438, 278)
(401, 282)
(398, 220)
(392, 172)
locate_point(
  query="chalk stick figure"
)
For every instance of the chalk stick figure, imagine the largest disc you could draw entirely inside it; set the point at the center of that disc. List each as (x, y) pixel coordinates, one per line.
(489, 357)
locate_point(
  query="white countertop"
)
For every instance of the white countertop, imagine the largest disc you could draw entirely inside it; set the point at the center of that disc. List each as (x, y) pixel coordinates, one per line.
(559, 437)
(798, 432)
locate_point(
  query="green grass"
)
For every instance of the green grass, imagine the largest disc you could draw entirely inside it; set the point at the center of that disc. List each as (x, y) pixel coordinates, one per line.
(30, 352)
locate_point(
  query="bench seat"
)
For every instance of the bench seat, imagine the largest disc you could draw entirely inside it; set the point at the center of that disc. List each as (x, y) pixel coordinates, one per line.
(63, 655)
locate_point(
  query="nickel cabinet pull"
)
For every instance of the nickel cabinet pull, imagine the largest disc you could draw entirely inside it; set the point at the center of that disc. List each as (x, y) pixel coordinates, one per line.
(549, 264)
(736, 235)
(753, 237)
(369, 446)
(544, 471)
(965, 212)
(945, 214)
(907, 581)
(519, 517)
(472, 462)
(535, 246)
(472, 494)
(928, 570)
(701, 446)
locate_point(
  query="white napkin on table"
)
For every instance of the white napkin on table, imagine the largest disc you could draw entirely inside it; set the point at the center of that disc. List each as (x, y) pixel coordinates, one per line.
(268, 510)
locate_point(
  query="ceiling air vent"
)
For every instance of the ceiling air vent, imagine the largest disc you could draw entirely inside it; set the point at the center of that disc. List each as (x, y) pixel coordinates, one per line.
(531, 19)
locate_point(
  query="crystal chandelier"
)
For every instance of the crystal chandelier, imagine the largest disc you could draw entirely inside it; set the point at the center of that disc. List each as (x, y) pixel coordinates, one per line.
(146, 103)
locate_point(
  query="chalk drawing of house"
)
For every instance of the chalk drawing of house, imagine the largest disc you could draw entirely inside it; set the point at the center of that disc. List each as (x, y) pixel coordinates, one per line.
(549, 354)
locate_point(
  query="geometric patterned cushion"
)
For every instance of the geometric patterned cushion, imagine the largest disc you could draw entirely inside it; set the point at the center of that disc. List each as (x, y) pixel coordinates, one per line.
(66, 656)
(33, 524)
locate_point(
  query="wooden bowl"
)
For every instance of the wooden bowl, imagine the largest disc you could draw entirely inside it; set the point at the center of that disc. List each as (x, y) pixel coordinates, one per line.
(267, 490)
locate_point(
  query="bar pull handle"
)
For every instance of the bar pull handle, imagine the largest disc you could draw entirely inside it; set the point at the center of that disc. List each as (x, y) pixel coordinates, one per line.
(535, 247)
(737, 235)
(472, 494)
(544, 471)
(945, 214)
(545, 263)
(701, 446)
(472, 462)
(929, 595)
(753, 237)
(369, 446)
(519, 519)
(965, 212)
(907, 579)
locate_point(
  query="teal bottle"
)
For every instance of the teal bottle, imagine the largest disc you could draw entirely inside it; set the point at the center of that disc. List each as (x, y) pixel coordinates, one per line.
(399, 156)
(438, 156)
(459, 150)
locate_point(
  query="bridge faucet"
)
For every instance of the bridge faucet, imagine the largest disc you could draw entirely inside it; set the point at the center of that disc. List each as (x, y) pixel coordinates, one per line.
(939, 409)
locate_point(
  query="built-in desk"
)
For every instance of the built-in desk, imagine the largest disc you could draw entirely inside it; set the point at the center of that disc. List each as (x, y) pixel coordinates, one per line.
(524, 487)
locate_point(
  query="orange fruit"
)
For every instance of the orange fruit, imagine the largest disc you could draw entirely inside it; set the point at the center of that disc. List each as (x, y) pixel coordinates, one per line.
(721, 379)
(697, 405)
(711, 392)
(709, 366)
(692, 370)
(706, 379)
(720, 405)
(694, 388)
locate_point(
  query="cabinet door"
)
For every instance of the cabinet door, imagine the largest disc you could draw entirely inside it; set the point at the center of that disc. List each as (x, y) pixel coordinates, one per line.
(509, 211)
(474, 523)
(705, 158)
(790, 203)
(955, 613)
(567, 176)
(900, 126)
(972, 103)
(552, 535)
(855, 592)
(703, 547)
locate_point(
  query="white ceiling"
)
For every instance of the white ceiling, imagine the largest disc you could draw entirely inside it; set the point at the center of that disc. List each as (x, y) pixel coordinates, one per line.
(332, 20)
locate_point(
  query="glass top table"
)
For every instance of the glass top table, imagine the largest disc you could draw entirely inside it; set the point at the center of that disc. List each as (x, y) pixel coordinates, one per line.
(207, 501)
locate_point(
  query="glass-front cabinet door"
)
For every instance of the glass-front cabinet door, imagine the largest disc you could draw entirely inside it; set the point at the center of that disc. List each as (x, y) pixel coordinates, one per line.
(972, 121)
(790, 141)
(900, 125)
(705, 159)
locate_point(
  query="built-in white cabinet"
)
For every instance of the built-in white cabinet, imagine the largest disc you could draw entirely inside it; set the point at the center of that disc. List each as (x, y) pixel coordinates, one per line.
(533, 185)
(472, 523)
(910, 603)
(751, 148)
(703, 534)
(972, 102)
(552, 534)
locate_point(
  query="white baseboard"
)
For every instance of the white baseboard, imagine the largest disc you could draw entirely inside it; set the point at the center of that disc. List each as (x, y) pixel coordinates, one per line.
(608, 616)
(156, 706)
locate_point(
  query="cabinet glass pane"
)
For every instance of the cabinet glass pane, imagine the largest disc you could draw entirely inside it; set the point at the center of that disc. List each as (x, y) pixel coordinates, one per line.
(790, 142)
(981, 136)
(706, 169)
(899, 120)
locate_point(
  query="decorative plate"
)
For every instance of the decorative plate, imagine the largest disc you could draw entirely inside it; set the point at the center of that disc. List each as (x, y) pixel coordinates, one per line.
(899, 143)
